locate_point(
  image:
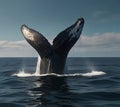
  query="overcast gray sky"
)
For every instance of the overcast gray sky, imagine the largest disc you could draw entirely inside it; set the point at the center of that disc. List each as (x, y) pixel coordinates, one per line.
(100, 36)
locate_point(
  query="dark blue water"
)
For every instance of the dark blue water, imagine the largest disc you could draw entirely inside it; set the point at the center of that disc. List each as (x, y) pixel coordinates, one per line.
(64, 91)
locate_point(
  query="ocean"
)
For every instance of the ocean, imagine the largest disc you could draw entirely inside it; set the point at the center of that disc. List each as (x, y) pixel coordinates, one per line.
(87, 82)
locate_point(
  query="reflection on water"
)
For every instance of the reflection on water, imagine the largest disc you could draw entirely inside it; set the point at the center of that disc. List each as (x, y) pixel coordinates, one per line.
(51, 91)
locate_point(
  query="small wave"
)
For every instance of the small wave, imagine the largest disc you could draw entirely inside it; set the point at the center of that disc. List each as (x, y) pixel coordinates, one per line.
(89, 74)
(94, 73)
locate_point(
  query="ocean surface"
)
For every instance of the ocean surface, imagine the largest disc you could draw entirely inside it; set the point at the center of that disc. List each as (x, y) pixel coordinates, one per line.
(87, 82)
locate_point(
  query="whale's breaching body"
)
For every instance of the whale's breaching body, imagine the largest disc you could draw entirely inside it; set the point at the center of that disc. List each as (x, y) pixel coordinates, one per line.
(53, 57)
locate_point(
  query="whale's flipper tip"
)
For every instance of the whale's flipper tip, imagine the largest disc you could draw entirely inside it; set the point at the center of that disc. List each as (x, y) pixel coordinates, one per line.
(36, 40)
(81, 19)
(23, 27)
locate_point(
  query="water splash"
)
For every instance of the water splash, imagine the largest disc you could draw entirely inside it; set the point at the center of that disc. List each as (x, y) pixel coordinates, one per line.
(89, 74)
(22, 73)
(38, 66)
(94, 73)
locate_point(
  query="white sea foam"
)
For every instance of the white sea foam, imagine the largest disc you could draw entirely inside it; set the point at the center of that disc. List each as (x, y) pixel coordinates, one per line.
(22, 73)
(93, 73)
(89, 74)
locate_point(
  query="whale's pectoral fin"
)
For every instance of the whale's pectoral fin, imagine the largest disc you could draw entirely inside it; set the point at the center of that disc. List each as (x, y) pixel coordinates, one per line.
(67, 38)
(37, 41)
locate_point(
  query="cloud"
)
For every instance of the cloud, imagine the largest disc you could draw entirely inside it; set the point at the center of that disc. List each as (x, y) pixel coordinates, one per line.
(106, 44)
(12, 44)
(16, 49)
(98, 40)
(98, 45)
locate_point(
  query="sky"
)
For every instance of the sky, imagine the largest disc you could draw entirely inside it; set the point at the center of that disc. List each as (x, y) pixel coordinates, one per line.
(100, 36)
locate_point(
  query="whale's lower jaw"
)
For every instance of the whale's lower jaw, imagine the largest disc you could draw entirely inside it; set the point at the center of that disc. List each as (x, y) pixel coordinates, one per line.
(53, 57)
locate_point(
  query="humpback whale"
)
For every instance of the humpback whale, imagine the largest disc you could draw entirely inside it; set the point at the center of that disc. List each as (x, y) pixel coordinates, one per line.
(53, 56)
